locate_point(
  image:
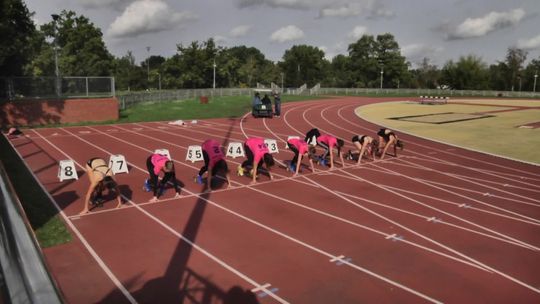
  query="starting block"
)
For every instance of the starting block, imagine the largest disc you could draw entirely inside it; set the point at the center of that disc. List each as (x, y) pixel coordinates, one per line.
(290, 137)
(235, 149)
(272, 145)
(194, 153)
(163, 152)
(67, 170)
(118, 164)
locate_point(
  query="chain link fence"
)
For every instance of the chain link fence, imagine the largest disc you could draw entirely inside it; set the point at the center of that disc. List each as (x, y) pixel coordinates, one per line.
(423, 92)
(18, 88)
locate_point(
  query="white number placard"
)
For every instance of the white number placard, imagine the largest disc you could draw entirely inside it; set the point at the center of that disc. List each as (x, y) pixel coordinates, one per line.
(235, 149)
(272, 145)
(66, 170)
(194, 153)
(118, 164)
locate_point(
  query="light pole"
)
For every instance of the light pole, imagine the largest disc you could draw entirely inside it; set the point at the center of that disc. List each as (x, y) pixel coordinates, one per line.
(56, 69)
(214, 85)
(282, 81)
(148, 66)
(519, 83)
(534, 85)
(382, 72)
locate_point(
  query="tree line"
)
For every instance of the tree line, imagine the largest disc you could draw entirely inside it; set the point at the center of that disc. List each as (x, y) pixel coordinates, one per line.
(371, 62)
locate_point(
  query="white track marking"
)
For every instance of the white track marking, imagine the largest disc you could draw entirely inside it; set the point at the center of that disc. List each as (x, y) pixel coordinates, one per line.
(85, 243)
(170, 229)
(313, 248)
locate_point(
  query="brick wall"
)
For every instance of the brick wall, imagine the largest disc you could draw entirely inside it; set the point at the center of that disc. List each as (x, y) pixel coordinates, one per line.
(40, 112)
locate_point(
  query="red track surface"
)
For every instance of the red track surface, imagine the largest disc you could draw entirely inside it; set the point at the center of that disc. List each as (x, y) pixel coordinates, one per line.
(436, 224)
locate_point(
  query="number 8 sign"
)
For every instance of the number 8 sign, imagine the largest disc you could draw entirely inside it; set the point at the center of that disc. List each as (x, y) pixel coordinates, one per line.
(67, 170)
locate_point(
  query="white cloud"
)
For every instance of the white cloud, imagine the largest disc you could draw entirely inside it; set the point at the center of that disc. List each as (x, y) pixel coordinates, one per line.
(326, 8)
(147, 16)
(294, 4)
(116, 4)
(529, 44)
(357, 32)
(288, 33)
(416, 52)
(477, 27)
(240, 31)
(370, 8)
(220, 39)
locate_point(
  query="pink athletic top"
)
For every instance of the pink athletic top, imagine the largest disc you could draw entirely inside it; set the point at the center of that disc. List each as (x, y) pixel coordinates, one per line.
(257, 146)
(212, 147)
(158, 161)
(330, 140)
(299, 144)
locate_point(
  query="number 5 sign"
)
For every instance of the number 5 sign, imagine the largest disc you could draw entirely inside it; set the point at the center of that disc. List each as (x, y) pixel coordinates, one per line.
(67, 170)
(194, 153)
(118, 164)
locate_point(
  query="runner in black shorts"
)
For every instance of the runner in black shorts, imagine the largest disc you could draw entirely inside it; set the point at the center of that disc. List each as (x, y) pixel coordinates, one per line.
(365, 145)
(100, 176)
(386, 138)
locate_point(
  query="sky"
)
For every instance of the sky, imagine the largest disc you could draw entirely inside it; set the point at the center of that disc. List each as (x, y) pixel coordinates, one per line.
(440, 30)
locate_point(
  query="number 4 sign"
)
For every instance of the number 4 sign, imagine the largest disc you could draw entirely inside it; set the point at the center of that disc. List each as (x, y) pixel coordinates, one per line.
(235, 149)
(118, 164)
(194, 153)
(67, 170)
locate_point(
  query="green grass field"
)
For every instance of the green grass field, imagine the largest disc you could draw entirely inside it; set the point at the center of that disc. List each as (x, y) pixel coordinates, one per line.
(498, 135)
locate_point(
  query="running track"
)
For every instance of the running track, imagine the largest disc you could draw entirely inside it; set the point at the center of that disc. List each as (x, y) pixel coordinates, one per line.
(436, 224)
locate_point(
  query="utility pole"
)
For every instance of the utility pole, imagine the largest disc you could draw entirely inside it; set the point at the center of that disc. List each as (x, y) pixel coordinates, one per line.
(56, 69)
(214, 85)
(148, 66)
(282, 74)
(382, 72)
(535, 76)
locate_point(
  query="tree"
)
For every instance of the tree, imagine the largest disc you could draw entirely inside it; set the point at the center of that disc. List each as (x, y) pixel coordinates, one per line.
(469, 73)
(514, 60)
(304, 64)
(427, 75)
(340, 75)
(128, 76)
(528, 75)
(370, 57)
(17, 32)
(81, 49)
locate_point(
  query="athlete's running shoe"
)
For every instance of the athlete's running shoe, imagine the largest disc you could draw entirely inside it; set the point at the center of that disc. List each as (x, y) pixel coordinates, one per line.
(240, 171)
(146, 186)
(199, 179)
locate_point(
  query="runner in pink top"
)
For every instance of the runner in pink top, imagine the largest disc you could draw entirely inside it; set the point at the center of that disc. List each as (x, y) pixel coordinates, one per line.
(329, 142)
(214, 161)
(157, 163)
(257, 153)
(299, 148)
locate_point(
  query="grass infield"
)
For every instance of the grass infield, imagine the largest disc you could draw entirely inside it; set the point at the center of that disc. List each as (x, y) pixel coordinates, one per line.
(499, 134)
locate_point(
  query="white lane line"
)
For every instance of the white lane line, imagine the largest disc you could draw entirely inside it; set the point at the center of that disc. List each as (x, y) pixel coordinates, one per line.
(438, 220)
(79, 235)
(313, 248)
(467, 197)
(497, 175)
(174, 232)
(419, 166)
